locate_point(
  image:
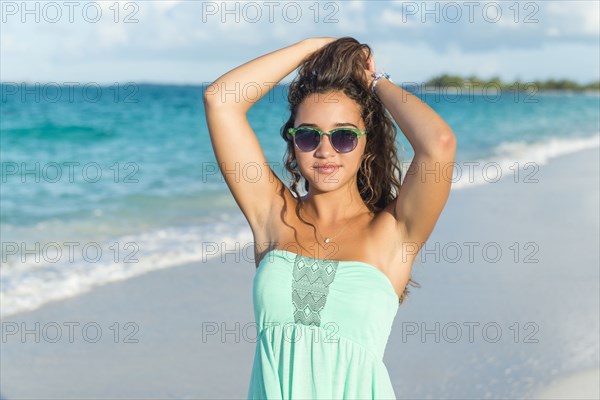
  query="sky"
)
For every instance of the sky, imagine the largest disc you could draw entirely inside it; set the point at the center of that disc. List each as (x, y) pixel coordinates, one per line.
(194, 42)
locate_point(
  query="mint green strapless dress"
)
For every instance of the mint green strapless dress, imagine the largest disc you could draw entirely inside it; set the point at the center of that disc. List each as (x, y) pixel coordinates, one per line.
(322, 329)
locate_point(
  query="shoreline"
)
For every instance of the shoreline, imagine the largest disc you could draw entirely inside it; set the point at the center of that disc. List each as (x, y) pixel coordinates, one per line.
(170, 310)
(473, 173)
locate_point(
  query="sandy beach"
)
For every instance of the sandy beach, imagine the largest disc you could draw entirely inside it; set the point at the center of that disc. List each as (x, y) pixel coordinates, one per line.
(508, 308)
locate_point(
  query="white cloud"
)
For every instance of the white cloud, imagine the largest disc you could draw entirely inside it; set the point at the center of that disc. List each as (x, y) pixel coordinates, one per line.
(553, 32)
(559, 20)
(351, 18)
(356, 5)
(416, 62)
(110, 35)
(575, 17)
(396, 19)
(174, 31)
(9, 44)
(164, 5)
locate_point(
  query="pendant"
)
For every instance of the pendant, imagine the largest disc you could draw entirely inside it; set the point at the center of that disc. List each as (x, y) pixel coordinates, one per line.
(327, 240)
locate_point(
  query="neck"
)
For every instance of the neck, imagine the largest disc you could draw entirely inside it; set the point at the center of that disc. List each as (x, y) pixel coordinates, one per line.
(332, 208)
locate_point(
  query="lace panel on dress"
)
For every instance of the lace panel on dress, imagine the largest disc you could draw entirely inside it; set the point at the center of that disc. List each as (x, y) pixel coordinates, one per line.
(310, 287)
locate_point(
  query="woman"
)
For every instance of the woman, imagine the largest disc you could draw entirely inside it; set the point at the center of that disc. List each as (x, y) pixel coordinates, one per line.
(334, 263)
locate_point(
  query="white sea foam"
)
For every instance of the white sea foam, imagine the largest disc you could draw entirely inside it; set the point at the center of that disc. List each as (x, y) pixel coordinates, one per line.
(517, 160)
(29, 285)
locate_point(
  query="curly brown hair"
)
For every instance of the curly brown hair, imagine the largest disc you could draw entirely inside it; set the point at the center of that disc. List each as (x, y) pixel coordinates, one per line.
(340, 66)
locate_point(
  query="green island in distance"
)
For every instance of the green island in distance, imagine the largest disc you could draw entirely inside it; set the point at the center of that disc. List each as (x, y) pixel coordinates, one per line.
(456, 81)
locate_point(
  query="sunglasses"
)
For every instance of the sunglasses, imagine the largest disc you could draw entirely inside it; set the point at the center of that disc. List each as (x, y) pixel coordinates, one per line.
(343, 140)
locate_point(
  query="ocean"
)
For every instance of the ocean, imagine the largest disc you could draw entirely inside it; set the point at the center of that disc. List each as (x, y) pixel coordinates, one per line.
(103, 183)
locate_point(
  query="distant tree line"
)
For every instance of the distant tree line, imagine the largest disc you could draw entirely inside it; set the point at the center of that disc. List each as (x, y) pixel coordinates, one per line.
(446, 80)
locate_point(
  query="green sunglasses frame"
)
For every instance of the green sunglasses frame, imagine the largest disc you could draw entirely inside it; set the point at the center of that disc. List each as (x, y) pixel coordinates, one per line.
(292, 132)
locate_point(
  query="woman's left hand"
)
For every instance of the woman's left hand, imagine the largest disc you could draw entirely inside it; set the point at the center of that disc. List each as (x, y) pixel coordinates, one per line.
(370, 69)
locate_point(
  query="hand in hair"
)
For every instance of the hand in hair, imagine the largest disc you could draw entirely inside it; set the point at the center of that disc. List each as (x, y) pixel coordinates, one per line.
(370, 68)
(318, 42)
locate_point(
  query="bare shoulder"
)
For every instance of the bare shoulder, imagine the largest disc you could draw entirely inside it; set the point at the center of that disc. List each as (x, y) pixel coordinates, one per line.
(389, 242)
(387, 235)
(267, 234)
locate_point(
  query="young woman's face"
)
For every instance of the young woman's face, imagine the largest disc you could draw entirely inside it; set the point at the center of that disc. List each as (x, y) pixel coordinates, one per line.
(326, 111)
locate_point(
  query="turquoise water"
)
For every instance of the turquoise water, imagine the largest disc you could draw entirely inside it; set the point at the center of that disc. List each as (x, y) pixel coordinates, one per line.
(135, 167)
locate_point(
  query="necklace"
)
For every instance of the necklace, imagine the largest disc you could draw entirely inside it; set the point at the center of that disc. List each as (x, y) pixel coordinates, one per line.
(328, 239)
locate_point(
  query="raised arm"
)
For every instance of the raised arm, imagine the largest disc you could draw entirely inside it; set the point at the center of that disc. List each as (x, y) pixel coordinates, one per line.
(426, 186)
(252, 182)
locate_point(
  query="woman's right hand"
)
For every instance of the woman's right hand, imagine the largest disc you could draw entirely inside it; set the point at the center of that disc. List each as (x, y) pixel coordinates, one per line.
(370, 69)
(318, 42)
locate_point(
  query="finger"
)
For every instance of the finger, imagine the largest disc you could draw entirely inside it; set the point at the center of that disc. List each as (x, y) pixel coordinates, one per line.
(368, 56)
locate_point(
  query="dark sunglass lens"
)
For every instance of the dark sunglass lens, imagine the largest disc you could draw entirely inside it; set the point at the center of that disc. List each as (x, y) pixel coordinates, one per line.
(307, 139)
(344, 140)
